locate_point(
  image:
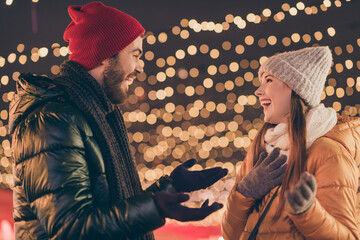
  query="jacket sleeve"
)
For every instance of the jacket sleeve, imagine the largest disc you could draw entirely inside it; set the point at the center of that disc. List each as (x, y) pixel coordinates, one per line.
(333, 214)
(163, 184)
(57, 184)
(238, 206)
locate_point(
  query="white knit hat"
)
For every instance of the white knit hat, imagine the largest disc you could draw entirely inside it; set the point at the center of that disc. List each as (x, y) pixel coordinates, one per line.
(304, 71)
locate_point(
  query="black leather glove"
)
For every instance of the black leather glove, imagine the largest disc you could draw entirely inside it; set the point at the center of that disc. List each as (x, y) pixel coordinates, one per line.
(266, 174)
(169, 205)
(186, 181)
(302, 196)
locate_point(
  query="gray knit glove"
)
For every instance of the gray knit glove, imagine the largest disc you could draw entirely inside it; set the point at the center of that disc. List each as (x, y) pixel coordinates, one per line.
(266, 174)
(302, 196)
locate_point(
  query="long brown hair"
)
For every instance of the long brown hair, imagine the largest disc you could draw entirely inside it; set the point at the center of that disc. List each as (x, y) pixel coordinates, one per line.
(297, 154)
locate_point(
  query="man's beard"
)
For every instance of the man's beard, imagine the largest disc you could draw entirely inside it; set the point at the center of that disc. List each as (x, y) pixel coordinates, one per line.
(112, 83)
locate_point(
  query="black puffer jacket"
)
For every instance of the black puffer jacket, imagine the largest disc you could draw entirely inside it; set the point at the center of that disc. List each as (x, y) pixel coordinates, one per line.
(60, 190)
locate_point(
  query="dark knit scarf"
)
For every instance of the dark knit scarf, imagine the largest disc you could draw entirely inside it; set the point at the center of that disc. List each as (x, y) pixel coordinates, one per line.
(108, 127)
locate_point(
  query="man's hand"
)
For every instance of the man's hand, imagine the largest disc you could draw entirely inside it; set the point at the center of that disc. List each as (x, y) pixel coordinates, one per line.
(302, 196)
(187, 181)
(169, 206)
(266, 174)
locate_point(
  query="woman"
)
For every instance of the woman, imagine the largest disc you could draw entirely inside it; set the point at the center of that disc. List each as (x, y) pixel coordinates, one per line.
(313, 194)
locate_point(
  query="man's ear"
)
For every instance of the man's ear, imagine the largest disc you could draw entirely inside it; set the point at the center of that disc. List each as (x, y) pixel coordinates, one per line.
(98, 71)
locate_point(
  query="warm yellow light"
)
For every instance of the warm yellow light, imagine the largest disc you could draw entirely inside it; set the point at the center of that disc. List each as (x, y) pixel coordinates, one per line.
(234, 66)
(15, 76)
(349, 64)
(251, 100)
(250, 17)
(242, 100)
(151, 39)
(331, 31)
(192, 50)
(212, 70)
(11, 57)
(239, 49)
(161, 76)
(169, 91)
(262, 59)
(63, 51)
(9, 2)
(210, 106)
(180, 54)
(162, 37)
(151, 119)
(4, 80)
(192, 23)
(189, 91)
(337, 106)
(295, 37)
(327, 3)
(214, 53)
(176, 30)
(160, 94)
(4, 114)
(149, 55)
(170, 72)
(183, 73)
(204, 48)
(184, 34)
(318, 35)
(184, 22)
(285, 7)
(22, 59)
(55, 69)
(306, 38)
(249, 40)
(229, 85)
(340, 92)
(339, 67)
(286, 41)
(2, 61)
(218, 28)
(293, 11)
(249, 76)
(171, 60)
(233, 126)
(300, 6)
(166, 131)
(229, 18)
(208, 82)
(272, 40)
(266, 12)
(198, 104)
(194, 72)
(329, 90)
(350, 82)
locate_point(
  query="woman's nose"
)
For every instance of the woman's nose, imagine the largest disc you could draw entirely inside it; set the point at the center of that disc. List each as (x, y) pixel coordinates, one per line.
(259, 91)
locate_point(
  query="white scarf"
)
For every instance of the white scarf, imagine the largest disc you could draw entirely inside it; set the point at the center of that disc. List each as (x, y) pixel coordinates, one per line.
(319, 120)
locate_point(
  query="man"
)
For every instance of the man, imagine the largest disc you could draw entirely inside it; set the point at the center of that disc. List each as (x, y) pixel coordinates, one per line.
(74, 174)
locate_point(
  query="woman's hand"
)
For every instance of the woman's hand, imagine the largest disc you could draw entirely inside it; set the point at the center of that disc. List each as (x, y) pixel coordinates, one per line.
(266, 174)
(302, 196)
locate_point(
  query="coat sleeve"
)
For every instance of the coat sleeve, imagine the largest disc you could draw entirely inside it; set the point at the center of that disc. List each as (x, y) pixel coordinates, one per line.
(163, 184)
(238, 206)
(56, 181)
(333, 214)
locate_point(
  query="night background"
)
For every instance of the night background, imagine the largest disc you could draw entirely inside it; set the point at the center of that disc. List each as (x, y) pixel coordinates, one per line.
(196, 98)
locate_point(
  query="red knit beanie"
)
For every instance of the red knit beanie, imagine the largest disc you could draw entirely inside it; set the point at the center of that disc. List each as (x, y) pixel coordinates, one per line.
(98, 32)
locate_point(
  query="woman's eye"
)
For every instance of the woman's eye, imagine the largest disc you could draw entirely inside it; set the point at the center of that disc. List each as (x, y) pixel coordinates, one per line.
(268, 80)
